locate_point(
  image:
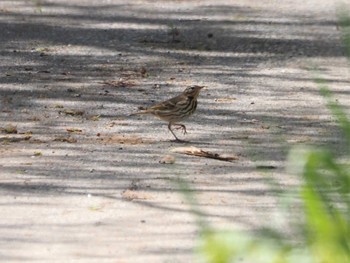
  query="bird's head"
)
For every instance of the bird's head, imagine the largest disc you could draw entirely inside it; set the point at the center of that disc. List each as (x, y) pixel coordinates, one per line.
(193, 91)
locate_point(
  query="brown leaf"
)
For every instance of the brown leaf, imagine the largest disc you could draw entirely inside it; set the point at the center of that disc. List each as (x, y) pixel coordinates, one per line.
(15, 138)
(65, 139)
(121, 139)
(114, 123)
(9, 129)
(131, 195)
(74, 130)
(121, 83)
(73, 112)
(144, 72)
(28, 133)
(59, 106)
(94, 118)
(200, 153)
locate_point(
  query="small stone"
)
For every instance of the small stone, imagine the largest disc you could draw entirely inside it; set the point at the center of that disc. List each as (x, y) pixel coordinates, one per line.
(167, 159)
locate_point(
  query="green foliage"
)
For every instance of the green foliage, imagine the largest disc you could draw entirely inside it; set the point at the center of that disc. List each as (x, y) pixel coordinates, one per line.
(325, 229)
(223, 247)
(325, 197)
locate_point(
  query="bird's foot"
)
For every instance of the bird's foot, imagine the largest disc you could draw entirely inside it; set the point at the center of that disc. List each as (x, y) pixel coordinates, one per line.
(182, 127)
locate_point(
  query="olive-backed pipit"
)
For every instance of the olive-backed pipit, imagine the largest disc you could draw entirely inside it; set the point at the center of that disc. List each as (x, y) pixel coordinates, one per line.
(176, 109)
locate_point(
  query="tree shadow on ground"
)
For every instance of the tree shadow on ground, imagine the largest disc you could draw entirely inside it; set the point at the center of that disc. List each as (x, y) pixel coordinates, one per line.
(60, 60)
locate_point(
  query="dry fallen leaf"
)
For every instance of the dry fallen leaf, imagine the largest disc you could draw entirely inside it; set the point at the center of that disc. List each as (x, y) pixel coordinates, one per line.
(144, 72)
(59, 106)
(114, 123)
(9, 129)
(43, 49)
(121, 83)
(94, 118)
(65, 139)
(239, 137)
(199, 152)
(36, 141)
(223, 100)
(15, 138)
(28, 133)
(74, 130)
(73, 112)
(131, 195)
(121, 139)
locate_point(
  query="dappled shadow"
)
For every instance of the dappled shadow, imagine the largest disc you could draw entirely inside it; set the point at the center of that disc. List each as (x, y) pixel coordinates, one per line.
(56, 67)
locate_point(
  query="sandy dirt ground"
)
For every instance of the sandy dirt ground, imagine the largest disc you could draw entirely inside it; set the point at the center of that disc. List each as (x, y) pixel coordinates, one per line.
(82, 181)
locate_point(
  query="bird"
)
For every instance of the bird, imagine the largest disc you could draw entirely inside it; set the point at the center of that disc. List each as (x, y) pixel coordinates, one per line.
(176, 109)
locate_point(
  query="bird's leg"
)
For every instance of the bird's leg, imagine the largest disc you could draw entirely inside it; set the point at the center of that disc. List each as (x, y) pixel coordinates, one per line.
(169, 127)
(181, 126)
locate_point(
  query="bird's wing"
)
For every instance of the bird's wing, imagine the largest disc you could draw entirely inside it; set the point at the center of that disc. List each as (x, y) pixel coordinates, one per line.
(169, 104)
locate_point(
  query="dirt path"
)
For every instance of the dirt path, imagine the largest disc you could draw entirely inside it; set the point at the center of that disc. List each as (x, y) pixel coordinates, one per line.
(81, 181)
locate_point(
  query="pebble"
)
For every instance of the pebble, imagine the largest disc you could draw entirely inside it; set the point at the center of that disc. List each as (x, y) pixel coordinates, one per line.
(167, 159)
